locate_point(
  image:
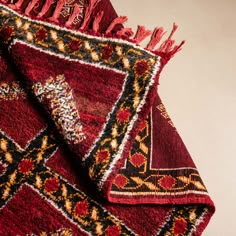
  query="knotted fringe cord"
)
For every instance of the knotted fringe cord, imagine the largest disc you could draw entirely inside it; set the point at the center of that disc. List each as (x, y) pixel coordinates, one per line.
(115, 22)
(77, 9)
(168, 48)
(119, 20)
(156, 38)
(30, 7)
(141, 34)
(31, 4)
(17, 4)
(57, 11)
(97, 21)
(45, 8)
(88, 13)
(125, 32)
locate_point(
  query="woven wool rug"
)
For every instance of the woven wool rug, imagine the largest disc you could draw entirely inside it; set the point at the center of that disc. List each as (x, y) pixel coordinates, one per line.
(86, 144)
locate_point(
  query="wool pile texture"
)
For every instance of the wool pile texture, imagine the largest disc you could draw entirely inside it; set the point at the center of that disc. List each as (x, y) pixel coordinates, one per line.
(86, 144)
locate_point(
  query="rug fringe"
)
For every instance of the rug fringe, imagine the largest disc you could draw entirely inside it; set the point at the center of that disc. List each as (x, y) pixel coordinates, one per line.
(45, 8)
(16, 5)
(125, 32)
(57, 11)
(30, 7)
(115, 22)
(156, 37)
(97, 21)
(141, 34)
(167, 49)
(166, 46)
(88, 13)
(77, 9)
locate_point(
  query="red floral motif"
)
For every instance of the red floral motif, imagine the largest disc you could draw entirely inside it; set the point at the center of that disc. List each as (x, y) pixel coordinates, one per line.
(102, 155)
(74, 45)
(25, 166)
(123, 115)
(180, 226)
(120, 181)
(52, 184)
(112, 231)
(81, 208)
(6, 33)
(167, 182)
(107, 52)
(141, 67)
(137, 159)
(41, 34)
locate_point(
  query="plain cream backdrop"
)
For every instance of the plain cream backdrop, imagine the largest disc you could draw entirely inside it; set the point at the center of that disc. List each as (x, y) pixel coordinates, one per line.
(198, 88)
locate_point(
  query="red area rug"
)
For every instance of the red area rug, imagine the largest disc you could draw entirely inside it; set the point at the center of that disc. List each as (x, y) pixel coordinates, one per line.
(86, 145)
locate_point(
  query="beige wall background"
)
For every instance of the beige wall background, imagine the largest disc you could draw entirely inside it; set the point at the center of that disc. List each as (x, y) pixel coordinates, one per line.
(198, 88)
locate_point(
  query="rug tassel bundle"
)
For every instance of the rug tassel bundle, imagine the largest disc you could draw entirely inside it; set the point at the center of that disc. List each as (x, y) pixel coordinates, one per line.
(86, 144)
